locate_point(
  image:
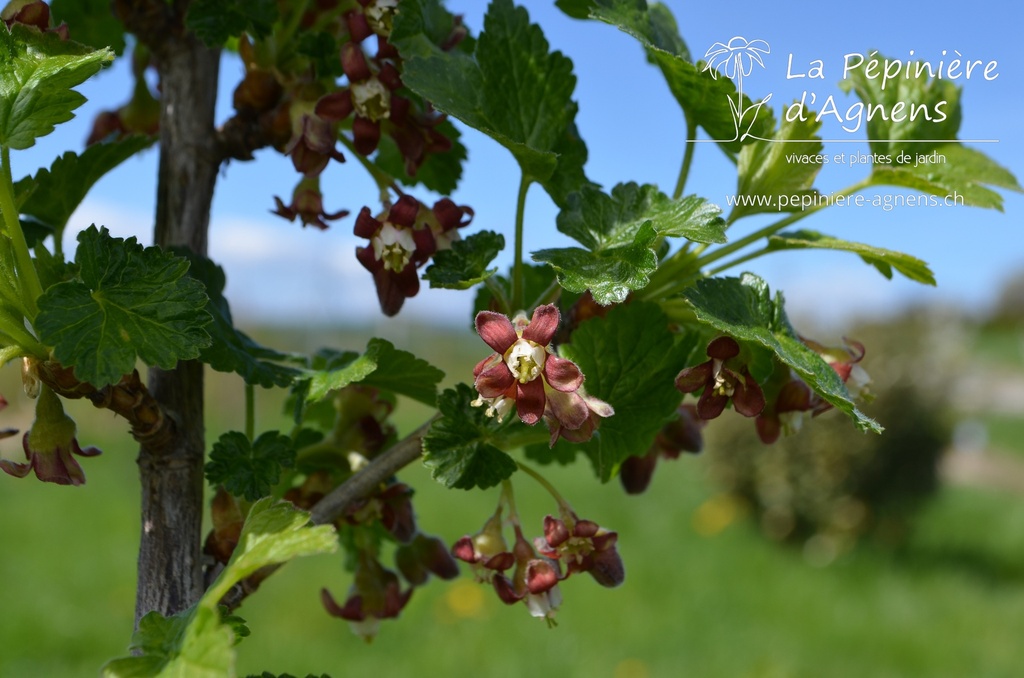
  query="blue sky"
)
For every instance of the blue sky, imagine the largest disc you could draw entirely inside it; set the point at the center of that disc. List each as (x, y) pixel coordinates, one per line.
(634, 131)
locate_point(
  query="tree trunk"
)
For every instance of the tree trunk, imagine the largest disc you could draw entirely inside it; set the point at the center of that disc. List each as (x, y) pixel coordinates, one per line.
(171, 471)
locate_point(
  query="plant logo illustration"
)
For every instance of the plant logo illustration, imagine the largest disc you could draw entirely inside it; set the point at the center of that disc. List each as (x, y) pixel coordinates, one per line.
(735, 59)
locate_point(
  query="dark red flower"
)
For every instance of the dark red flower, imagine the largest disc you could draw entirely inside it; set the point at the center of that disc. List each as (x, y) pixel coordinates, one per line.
(721, 383)
(584, 546)
(524, 372)
(404, 239)
(308, 205)
(313, 144)
(50, 445)
(375, 594)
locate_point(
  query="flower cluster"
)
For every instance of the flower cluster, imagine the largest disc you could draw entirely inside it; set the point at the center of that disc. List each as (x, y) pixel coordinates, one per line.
(402, 240)
(525, 373)
(536, 569)
(376, 592)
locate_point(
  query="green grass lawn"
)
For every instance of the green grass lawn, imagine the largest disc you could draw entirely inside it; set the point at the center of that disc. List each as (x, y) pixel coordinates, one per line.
(949, 604)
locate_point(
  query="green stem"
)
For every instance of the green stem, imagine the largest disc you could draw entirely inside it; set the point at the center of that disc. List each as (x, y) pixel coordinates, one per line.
(509, 496)
(518, 437)
(775, 227)
(684, 171)
(385, 182)
(499, 295)
(738, 260)
(26, 268)
(543, 483)
(518, 279)
(14, 328)
(549, 294)
(284, 37)
(250, 412)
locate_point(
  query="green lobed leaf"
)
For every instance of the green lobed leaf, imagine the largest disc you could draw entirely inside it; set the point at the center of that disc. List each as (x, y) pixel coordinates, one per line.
(630, 359)
(743, 309)
(192, 643)
(58, 191)
(249, 469)
(882, 259)
(232, 350)
(598, 220)
(914, 133)
(382, 366)
(704, 97)
(457, 449)
(511, 88)
(962, 172)
(652, 24)
(129, 302)
(90, 22)
(621, 231)
(36, 82)
(274, 532)
(611, 273)
(215, 21)
(764, 167)
(465, 264)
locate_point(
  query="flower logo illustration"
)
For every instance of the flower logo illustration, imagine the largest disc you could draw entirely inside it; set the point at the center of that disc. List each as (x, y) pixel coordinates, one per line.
(736, 60)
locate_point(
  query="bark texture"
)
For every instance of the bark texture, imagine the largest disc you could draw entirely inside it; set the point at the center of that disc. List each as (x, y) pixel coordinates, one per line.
(171, 470)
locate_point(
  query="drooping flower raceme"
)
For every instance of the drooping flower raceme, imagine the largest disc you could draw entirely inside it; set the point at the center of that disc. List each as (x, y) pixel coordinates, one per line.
(525, 373)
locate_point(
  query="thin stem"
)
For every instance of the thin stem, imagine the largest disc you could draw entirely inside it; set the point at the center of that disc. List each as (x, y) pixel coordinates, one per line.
(26, 268)
(684, 171)
(509, 495)
(549, 294)
(518, 279)
(363, 483)
(775, 227)
(17, 332)
(739, 260)
(385, 182)
(499, 295)
(250, 411)
(543, 483)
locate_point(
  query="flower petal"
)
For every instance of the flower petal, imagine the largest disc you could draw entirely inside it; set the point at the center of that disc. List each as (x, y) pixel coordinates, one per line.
(543, 325)
(403, 212)
(540, 576)
(494, 381)
(496, 330)
(15, 469)
(530, 401)
(562, 374)
(366, 225)
(690, 379)
(723, 348)
(569, 409)
(711, 405)
(748, 399)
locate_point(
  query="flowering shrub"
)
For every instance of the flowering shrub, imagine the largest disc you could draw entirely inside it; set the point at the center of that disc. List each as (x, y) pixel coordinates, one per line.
(624, 344)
